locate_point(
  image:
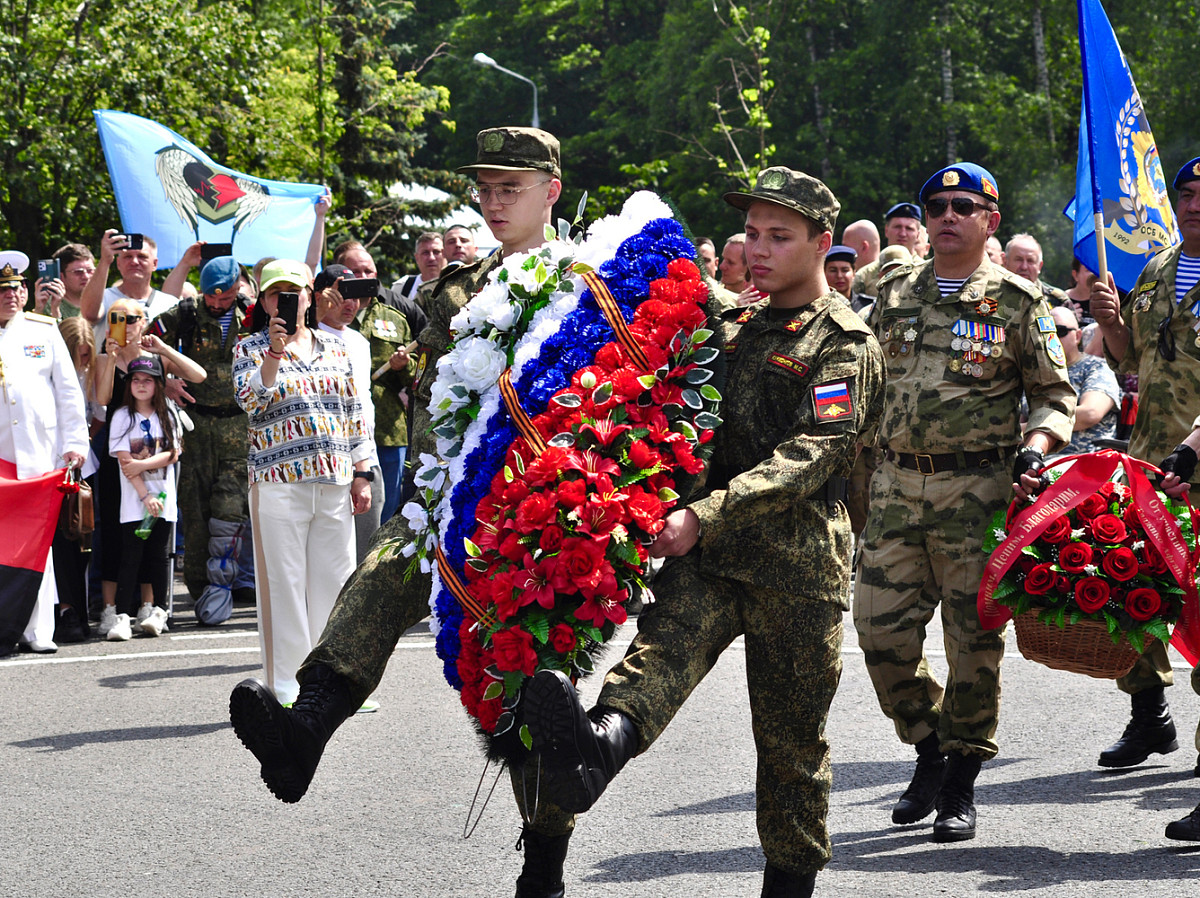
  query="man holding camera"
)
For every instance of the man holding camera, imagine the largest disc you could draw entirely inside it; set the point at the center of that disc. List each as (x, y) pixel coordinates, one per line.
(137, 258)
(212, 483)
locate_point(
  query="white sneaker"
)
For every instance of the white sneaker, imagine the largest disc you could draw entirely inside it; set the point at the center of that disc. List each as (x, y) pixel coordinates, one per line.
(120, 630)
(154, 623)
(108, 617)
(144, 611)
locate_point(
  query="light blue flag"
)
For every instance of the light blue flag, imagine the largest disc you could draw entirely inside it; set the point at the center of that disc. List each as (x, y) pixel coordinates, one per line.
(168, 189)
(1118, 172)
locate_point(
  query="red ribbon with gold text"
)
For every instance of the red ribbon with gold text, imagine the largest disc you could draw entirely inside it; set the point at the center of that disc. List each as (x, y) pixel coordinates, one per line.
(1082, 479)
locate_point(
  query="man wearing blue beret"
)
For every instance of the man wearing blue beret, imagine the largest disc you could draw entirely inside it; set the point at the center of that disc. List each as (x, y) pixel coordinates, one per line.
(964, 339)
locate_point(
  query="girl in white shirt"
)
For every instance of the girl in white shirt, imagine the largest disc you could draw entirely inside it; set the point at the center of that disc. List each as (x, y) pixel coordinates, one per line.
(145, 440)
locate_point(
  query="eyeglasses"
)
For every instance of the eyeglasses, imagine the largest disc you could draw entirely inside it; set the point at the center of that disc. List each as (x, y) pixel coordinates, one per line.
(963, 207)
(506, 195)
(1063, 330)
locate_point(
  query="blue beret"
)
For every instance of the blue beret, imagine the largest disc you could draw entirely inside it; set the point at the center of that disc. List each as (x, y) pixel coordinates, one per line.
(903, 210)
(962, 176)
(1190, 172)
(218, 275)
(841, 253)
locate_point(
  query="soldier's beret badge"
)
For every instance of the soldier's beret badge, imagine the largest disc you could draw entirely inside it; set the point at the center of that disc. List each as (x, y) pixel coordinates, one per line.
(493, 142)
(950, 179)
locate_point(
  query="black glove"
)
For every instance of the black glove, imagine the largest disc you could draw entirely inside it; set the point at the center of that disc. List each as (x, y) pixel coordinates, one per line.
(1029, 461)
(1181, 463)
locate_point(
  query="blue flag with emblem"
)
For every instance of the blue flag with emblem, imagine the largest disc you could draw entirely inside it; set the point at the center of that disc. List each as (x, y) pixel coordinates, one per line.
(171, 191)
(1118, 176)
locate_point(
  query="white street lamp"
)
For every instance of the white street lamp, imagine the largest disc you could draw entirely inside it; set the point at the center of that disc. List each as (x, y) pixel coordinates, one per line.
(485, 60)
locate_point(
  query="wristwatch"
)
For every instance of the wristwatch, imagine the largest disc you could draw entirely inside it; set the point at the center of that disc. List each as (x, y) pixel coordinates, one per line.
(368, 476)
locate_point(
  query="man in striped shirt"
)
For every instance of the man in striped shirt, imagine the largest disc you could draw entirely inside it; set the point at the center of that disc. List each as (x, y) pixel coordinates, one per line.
(1155, 333)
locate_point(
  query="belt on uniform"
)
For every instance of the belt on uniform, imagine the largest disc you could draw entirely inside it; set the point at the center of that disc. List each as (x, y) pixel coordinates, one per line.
(949, 461)
(215, 411)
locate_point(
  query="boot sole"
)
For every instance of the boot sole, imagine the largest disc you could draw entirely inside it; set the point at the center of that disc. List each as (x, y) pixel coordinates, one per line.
(253, 715)
(1163, 748)
(953, 835)
(551, 707)
(904, 819)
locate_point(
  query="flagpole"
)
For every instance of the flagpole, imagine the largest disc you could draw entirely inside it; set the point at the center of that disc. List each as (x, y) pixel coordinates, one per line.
(1097, 201)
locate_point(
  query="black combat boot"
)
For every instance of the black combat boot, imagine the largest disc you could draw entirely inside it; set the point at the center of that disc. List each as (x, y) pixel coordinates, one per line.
(1150, 731)
(956, 802)
(288, 741)
(581, 751)
(542, 873)
(921, 795)
(1187, 829)
(779, 883)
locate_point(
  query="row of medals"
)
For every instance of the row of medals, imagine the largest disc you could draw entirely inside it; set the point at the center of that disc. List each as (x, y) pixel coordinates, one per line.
(976, 341)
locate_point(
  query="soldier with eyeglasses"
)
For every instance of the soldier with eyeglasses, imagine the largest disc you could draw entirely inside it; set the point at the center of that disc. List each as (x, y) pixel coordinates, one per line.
(964, 339)
(1155, 333)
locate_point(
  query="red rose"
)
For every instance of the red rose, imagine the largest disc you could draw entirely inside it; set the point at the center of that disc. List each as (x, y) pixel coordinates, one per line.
(1108, 529)
(1120, 564)
(1040, 580)
(551, 539)
(1142, 604)
(1062, 584)
(1091, 594)
(572, 493)
(562, 638)
(536, 512)
(646, 509)
(489, 714)
(642, 456)
(579, 564)
(1110, 490)
(1058, 532)
(1093, 505)
(1152, 562)
(516, 492)
(514, 650)
(1073, 557)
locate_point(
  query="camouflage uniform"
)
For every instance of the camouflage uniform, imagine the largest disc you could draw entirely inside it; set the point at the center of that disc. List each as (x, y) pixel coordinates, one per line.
(212, 478)
(923, 540)
(773, 560)
(378, 604)
(866, 280)
(1169, 395)
(1053, 295)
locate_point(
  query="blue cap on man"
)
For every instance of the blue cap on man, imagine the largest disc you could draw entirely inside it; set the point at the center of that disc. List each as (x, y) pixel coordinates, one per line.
(962, 176)
(218, 275)
(903, 210)
(1190, 172)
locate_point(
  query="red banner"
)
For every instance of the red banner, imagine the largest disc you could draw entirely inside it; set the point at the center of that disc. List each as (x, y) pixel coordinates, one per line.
(1082, 479)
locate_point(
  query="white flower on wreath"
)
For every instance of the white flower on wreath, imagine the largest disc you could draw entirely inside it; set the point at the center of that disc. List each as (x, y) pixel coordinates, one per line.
(478, 362)
(443, 401)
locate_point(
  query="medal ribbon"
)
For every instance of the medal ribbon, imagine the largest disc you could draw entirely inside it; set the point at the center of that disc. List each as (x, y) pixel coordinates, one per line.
(1083, 478)
(459, 590)
(612, 314)
(521, 420)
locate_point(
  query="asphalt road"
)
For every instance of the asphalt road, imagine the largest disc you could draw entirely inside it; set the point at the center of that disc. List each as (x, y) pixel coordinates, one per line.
(122, 777)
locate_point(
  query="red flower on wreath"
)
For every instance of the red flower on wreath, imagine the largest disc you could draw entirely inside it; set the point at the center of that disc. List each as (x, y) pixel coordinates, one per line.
(1091, 594)
(1142, 604)
(1074, 557)
(1058, 532)
(514, 650)
(1092, 506)
(1040, 580)
(1108, 529)
(1120, 563)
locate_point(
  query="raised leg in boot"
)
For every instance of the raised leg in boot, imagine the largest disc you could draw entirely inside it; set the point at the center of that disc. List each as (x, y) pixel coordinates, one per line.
(1150, 731)
(288, 742)
(956, 802)
(920, 798)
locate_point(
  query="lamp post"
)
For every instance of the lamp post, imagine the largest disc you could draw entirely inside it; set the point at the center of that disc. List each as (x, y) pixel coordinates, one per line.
(485, 60)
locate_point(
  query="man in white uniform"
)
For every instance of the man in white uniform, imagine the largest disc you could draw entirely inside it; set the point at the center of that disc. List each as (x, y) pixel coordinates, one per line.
(42, 424)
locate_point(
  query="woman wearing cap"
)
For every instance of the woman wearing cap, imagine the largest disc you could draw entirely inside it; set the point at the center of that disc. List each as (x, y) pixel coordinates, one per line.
(309, 452)
(112, 372)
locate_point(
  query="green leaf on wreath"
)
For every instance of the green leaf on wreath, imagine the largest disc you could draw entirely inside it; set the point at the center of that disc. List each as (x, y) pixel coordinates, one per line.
(583, 661)
(1075, 616)
(1159, 630)
(494, 672)
(711, 393)
(473, 550)
(705, 355)
(494, 690)
(581, 268)
(625, 551)
(513, 680)
(1003, 590)
(477, 564)
(1034, 552)
(647, 381)
(700, 335)
(666, 494)
(1060, 619)
(537, 624)
(520, 463)
(692, 399)
(508, 474)
(707, 421)
(548, 234)
(594, 634)
(526, 737)
(602, 393)
(698, 376)
(1110, 621)
(1136, 640)
(688, 431)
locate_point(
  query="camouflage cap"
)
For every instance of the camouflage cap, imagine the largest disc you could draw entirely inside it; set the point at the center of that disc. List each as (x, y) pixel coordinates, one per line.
(516, 149)
(891, 256)
(792, 190)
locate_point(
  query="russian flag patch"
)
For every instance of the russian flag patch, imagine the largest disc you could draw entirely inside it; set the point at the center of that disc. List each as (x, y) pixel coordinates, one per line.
(832, 400)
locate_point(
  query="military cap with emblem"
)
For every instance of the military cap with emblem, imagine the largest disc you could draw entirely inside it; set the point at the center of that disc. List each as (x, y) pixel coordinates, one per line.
(12, 265)
(962, 176)
(793, 190)
(516, 149)
(1189, 173)
(841, 253)
(903, 210)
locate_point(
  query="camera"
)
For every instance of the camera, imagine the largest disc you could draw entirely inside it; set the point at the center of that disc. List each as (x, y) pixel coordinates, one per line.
(132, 241)
(48, 269)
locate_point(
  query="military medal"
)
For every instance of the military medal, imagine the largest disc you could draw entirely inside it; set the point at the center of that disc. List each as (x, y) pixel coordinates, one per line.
(955, 365)
(986, 306)
(910, 335)
(893, 350)
(905, 348)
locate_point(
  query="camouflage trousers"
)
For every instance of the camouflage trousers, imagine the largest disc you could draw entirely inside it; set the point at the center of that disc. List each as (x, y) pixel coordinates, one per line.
(212, 484)
(793, 664)
(1152, 669)
(372, 612)
(923, 546)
